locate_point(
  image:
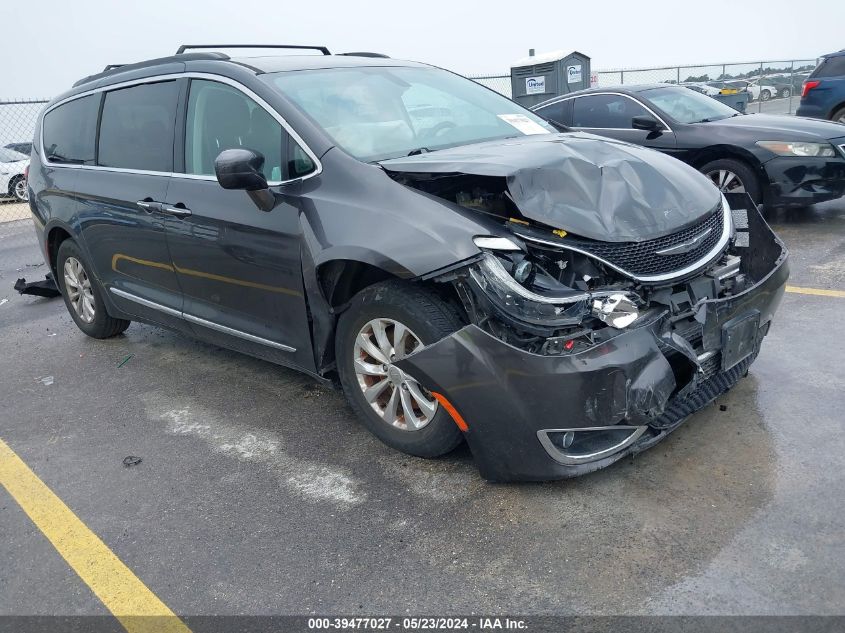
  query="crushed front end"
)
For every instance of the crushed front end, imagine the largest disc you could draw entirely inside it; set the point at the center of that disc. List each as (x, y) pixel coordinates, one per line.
(580, 352)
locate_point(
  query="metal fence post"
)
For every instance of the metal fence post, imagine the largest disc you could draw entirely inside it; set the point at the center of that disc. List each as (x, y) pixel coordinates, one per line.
(791, 85)
(621, 76)
(679, 74)
(759, 80)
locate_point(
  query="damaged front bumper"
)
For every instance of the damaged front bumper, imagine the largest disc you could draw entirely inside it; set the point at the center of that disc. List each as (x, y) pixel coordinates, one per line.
(806, 181)
(533, 416)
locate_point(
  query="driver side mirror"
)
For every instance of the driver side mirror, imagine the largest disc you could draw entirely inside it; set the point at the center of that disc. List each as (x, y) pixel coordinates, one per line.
(645, 122)
(240, 168)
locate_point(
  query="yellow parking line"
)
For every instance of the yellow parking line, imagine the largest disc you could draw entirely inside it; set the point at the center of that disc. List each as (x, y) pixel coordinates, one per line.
(821, 292)
(121, 591)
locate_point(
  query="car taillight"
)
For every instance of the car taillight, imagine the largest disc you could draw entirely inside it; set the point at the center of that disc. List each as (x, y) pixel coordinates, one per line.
(808, 85)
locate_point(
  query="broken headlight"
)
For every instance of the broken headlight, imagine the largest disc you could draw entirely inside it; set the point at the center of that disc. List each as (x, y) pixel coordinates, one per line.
(563, 308)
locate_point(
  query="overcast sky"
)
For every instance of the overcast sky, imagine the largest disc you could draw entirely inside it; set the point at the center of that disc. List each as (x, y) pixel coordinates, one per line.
(48, 44)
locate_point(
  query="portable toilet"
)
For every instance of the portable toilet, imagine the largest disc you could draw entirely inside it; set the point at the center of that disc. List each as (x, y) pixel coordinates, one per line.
(539, 77)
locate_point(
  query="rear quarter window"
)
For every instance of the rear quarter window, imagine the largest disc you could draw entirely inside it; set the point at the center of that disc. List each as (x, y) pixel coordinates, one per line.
(69, 131)
(830, 67)
(137, 127)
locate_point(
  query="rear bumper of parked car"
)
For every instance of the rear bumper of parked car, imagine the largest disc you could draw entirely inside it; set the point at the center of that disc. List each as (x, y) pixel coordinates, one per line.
(614, 399)
(803, 181)
(812, 110)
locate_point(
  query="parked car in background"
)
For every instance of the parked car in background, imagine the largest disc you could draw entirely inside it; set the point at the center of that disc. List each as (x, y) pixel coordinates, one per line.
(22, 147)
(723, 88)
(777, 160)
(490, 280)
(823, 93)
(762, 88)
(757, 89)
(784, 86)
(703, 88)
(13, 174)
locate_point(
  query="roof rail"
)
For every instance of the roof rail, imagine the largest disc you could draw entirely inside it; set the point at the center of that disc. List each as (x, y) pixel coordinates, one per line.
(185, 47)
(112, 67)
(365, 54)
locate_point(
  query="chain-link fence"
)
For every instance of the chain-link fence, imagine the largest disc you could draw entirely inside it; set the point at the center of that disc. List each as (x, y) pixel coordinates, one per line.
(19, 254)
(773, 87)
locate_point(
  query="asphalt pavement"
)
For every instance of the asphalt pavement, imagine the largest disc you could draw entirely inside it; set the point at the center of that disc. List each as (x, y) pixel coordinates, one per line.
(259, 493)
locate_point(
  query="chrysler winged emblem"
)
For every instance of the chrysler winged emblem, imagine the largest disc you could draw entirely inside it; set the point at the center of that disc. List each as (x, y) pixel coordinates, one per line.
(685, 247)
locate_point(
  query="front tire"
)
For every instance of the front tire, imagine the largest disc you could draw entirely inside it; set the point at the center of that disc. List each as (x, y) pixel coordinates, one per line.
(83, 294)
(765, 95)
(382, 324)
(734, 176)
(839, 115)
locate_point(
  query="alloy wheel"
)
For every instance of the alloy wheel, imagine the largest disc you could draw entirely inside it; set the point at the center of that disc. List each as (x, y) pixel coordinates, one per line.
(727, 181)
(79, 291)
(20, 190)
(394, 395)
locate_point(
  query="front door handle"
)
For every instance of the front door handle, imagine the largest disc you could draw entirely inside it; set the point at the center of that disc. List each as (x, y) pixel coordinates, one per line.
(179, 210)
(149, 205)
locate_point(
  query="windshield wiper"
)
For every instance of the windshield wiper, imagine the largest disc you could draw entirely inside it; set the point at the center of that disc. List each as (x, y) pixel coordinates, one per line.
(718, 118)
(418, 151)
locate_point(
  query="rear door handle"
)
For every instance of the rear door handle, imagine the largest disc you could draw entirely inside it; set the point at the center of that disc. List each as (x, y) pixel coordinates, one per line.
(179, 210)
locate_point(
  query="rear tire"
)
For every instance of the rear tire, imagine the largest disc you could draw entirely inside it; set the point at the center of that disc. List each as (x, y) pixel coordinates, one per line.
(83, 295)
(765, 95)
(839, 115)
(17, 189)
(734, 176)
(428, 318)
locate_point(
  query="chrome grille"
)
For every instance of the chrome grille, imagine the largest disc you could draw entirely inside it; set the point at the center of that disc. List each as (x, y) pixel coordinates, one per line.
(641, 258)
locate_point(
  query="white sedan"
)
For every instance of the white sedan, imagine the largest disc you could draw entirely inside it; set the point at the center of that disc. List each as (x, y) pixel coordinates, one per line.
(12, 174)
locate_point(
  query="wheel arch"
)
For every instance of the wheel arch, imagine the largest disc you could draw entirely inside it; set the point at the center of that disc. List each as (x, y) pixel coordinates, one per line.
(335, 282)
(341, 279)
(835, 109)
(716, 152)
(55, 236)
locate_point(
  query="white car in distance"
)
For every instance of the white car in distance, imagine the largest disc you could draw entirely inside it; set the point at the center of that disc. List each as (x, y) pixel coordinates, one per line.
(13, 174)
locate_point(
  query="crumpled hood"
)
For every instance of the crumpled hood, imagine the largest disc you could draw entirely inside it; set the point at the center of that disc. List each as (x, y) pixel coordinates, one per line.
(591, 186)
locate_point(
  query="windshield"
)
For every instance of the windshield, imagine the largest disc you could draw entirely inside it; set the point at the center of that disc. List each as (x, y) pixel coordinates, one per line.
(688, 106)
(11, 156)
(376, 113)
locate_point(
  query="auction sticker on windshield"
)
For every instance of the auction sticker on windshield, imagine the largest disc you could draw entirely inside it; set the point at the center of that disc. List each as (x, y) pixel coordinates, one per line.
(523, 124)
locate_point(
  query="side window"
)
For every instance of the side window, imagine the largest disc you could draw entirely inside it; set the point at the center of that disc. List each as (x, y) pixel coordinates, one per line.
(555, 111)
(222, 117)
(70, 131)
(136, 128)
(605, 111)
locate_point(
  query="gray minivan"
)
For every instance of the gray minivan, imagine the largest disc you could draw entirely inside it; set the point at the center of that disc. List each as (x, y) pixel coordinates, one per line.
(464, 268)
